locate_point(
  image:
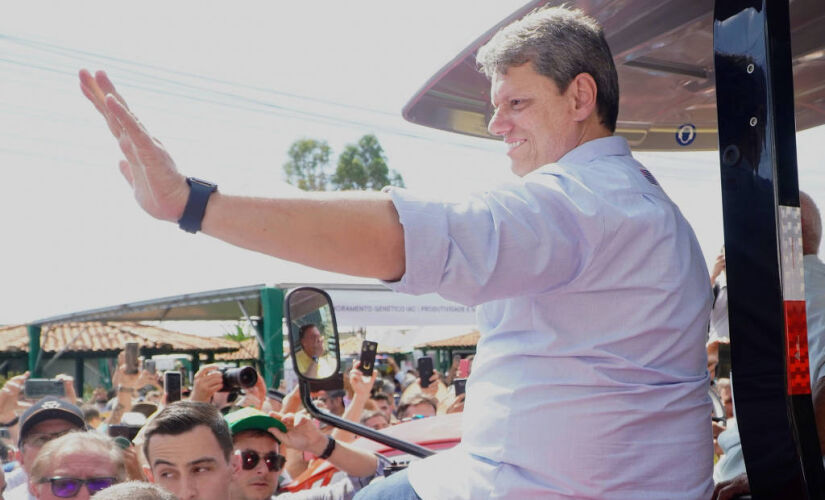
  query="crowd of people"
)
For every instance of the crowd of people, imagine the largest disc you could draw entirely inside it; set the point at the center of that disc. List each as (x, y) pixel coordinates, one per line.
(592, 300)
(214, 444)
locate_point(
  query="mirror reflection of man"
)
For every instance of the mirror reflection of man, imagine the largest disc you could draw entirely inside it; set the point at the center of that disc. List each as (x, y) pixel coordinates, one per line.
(591, 287)
(313, 359)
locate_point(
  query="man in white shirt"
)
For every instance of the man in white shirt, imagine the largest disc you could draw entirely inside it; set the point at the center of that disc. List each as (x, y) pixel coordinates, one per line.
(592, 290)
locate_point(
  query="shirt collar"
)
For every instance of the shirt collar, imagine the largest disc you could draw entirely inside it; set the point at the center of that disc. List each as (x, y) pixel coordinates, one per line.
(614, 145)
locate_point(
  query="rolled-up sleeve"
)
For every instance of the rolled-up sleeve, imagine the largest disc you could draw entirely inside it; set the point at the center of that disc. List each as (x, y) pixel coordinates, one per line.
(525, 237)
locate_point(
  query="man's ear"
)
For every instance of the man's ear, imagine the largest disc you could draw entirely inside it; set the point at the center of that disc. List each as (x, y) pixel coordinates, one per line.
(147, 471)
(33, 489)
(235, 463)
(584, 91)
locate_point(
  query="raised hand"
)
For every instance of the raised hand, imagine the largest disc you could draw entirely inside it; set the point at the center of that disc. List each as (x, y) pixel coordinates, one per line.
(361, 384)
(206, 383)
(302, 433)
(9, 396)
(157, 185)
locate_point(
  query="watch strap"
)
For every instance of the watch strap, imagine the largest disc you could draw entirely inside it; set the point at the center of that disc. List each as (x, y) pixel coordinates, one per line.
(199, 193)
(329, 449)
(10, 423)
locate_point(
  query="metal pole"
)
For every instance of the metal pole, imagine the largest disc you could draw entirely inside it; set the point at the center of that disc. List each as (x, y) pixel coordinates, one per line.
(760, 198)
(34, 349)
(272, 319)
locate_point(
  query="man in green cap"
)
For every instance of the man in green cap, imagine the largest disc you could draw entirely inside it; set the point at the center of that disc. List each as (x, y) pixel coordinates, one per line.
(257, 438)
(259, 451)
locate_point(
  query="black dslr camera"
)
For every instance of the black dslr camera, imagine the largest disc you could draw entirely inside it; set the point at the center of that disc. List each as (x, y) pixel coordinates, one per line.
(238, 378)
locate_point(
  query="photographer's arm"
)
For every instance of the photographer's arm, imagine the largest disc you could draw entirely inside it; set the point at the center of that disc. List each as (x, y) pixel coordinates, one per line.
(353, 233)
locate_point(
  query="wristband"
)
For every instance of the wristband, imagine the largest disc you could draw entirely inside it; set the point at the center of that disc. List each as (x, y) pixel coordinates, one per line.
(329, 449)
(11, 423)
(199, 193)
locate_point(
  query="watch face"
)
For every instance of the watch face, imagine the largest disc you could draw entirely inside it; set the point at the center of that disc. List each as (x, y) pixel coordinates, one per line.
(195, 180)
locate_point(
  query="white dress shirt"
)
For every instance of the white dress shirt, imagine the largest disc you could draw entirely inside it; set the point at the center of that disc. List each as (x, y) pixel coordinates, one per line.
(590, 378)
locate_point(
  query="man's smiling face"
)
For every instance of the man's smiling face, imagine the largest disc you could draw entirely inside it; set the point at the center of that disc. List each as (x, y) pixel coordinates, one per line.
(533, 117)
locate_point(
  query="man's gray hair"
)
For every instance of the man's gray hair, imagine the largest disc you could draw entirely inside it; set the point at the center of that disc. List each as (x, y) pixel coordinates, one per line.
(134, 490)
(561, 43)
(74, 443)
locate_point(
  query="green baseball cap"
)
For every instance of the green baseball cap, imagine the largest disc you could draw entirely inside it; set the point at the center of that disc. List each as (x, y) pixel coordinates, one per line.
(251, 418)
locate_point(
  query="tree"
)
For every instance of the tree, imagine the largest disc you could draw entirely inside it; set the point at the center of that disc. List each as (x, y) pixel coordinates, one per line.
(364, 167)
(308, 164)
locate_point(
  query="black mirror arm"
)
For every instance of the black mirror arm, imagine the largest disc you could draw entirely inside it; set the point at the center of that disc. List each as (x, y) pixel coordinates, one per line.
(361, 430)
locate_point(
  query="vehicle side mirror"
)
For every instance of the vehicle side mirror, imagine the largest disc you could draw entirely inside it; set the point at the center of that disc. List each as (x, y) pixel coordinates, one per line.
(313, 334)
(316, 355)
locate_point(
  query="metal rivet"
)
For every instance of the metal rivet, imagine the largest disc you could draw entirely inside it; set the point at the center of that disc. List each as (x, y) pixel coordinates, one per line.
(750, 68)
(754, 121)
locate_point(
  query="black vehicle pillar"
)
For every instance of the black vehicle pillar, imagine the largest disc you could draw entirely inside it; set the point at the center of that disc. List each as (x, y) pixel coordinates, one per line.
(763, 247)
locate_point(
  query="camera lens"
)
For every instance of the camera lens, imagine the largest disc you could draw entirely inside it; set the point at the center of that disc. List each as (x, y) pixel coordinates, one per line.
(234, 378)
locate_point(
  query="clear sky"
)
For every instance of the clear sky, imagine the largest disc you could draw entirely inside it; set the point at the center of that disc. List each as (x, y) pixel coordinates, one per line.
(227, 88)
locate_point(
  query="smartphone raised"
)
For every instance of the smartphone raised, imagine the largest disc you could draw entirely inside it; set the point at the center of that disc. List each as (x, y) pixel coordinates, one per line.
(172, 386)
(425, 370)
(368, 351)
(36, 388)
(149, 366)
(460, 385)
(132, 357)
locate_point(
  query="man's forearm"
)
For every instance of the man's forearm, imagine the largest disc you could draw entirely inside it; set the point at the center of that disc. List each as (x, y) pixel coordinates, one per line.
(351, 233)
(354, 461)
(353, 414)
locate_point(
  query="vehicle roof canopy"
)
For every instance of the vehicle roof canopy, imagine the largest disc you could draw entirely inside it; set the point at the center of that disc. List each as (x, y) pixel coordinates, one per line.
(663, 51)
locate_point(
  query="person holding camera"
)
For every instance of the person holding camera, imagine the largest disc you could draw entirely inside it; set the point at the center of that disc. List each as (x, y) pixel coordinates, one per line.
(213, 380)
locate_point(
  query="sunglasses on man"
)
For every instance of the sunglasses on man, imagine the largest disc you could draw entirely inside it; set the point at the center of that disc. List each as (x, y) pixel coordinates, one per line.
(68, 487)
(250, 459)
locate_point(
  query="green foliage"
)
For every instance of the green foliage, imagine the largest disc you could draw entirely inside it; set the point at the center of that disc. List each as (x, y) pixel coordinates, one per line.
(308, 164)
(362, 166)
(238, 335)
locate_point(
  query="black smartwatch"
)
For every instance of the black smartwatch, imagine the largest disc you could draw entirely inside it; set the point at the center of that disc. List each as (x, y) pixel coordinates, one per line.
(199, 193)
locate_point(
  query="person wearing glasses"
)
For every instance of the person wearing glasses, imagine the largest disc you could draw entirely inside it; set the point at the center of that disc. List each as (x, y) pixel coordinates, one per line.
(76, 465)
(48, 419)
(258, 452)
(258, 439)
